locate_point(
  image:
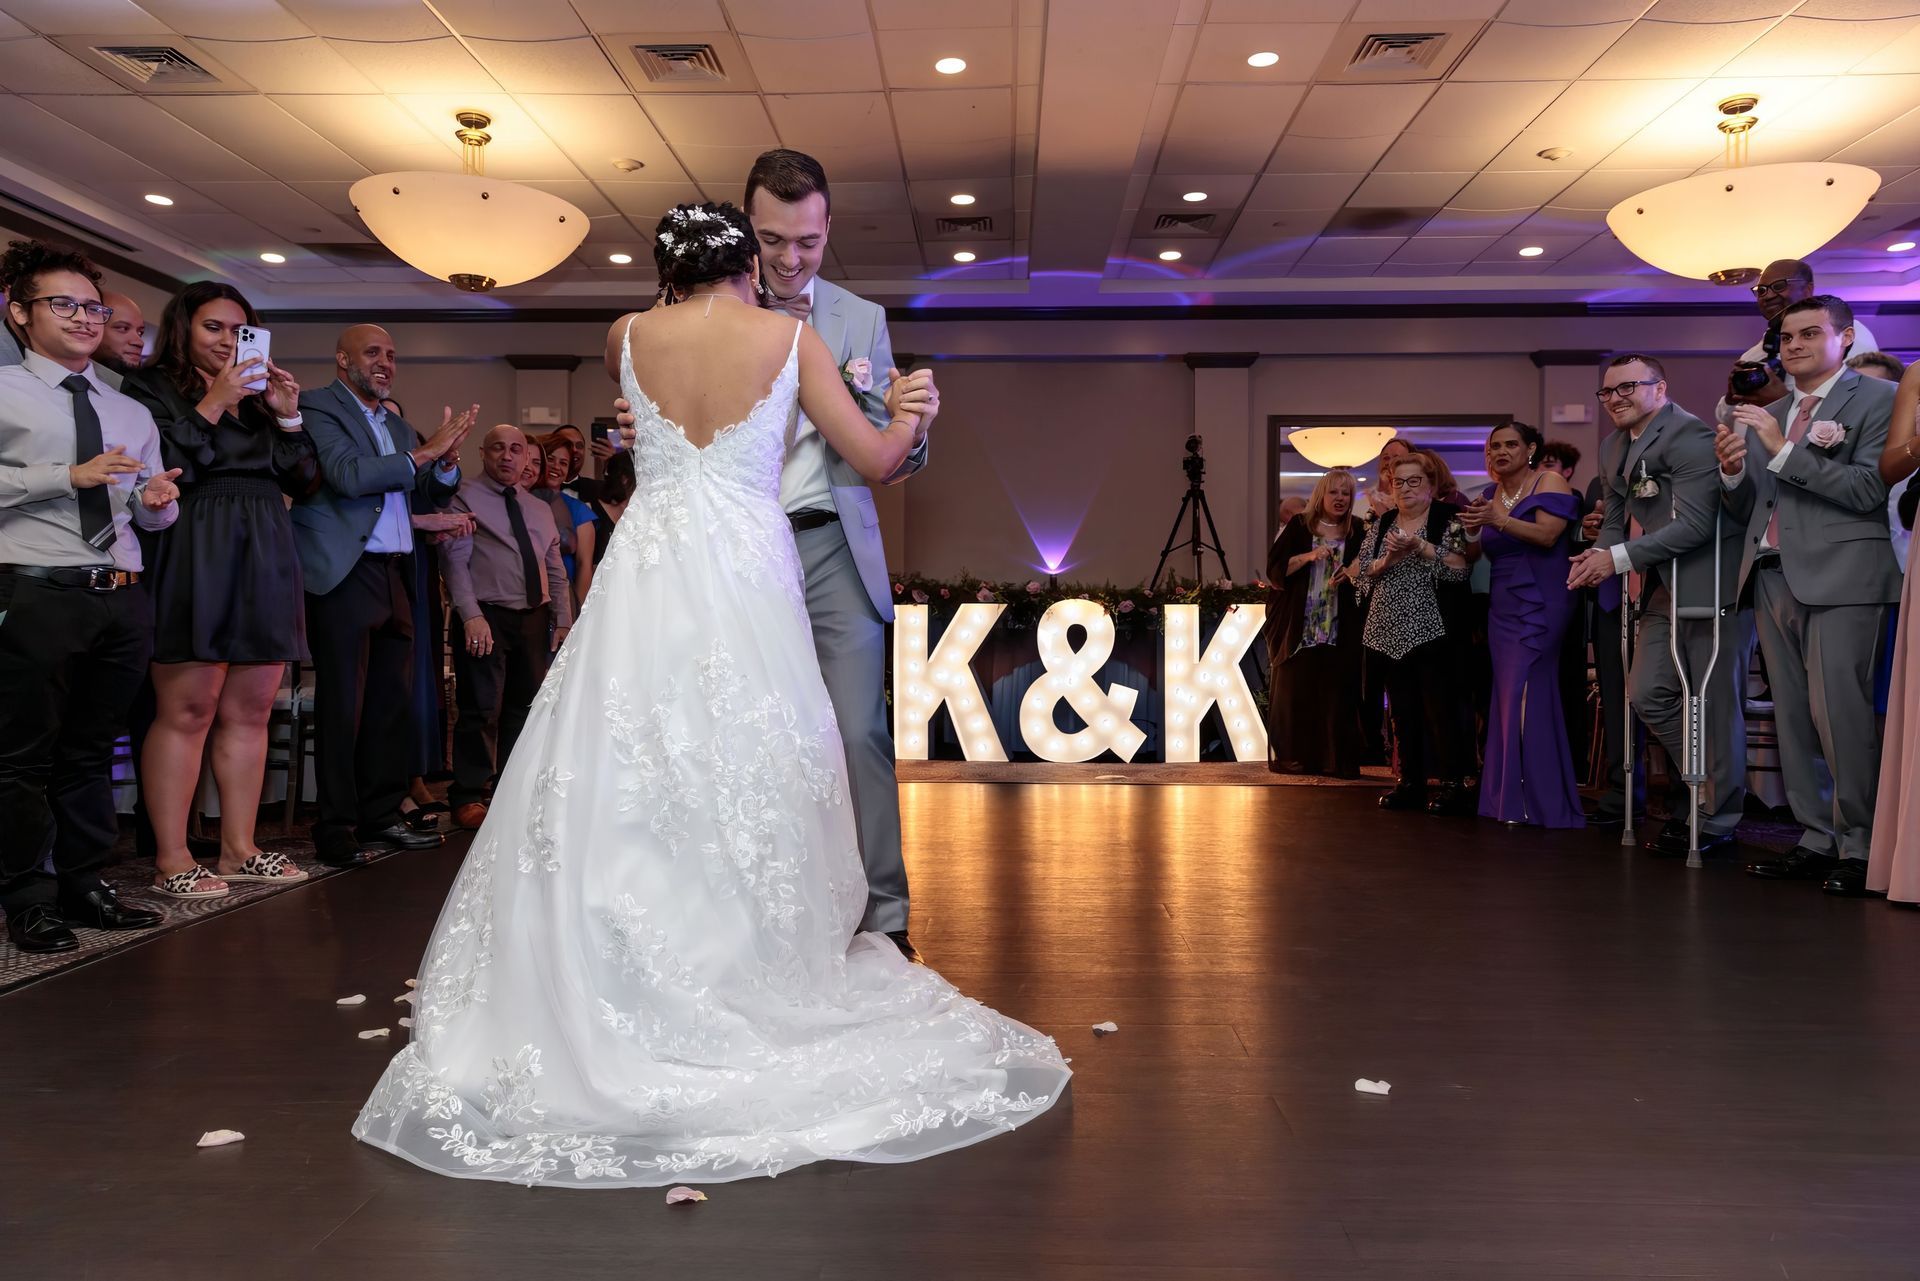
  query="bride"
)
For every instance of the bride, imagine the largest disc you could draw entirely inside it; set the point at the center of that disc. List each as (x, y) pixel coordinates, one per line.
(647, 970)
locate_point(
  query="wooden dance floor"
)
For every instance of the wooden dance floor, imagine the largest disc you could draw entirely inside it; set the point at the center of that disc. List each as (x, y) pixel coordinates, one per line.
(1601, 1066)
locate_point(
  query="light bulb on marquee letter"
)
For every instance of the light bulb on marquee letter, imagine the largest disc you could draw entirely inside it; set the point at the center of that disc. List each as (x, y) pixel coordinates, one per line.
(1108, 713)
(1195, 680)
(923, 681)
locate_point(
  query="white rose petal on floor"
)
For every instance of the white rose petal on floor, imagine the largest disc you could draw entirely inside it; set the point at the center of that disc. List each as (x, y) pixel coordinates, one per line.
(359, 998)
(1106, 1029)
(375, 1033)
(219, 1138)
(1364, 1086)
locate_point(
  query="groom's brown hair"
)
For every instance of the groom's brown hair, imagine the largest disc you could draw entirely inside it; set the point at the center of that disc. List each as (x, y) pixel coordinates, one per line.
(787, 176)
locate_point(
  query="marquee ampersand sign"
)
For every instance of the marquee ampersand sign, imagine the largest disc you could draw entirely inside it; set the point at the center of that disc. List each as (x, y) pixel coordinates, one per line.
(1108, 713)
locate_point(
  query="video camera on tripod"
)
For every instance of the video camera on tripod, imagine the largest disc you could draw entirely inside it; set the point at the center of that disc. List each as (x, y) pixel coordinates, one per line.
(1193, 509)
(1194, 464)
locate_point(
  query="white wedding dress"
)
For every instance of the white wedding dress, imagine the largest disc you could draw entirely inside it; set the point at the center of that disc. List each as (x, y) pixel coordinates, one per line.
(647, 971)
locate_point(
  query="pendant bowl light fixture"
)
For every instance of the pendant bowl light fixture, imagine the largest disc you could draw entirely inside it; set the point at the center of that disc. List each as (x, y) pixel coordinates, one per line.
(1728, 225)
(1340, 446)
(476, 233)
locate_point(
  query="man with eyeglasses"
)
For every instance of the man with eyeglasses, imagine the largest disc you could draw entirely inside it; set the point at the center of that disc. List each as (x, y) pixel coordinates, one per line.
(1780, 286)
(79, 469)
(1661, 478)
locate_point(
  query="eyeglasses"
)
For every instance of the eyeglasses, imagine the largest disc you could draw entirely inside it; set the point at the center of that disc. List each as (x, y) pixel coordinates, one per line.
(65, 308)
(1625, 389)
(1762, 289)
(1409, 482)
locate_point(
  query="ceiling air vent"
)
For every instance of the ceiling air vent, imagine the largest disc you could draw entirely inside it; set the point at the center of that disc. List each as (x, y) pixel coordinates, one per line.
(1196, 224)
(1398, 52)
(364, 253)
(156, 66)
(679, 63)
(977, 226)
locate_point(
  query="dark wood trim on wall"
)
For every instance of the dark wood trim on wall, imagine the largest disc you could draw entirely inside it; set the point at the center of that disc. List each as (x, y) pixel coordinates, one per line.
(1221, 359)
(565, 363)
(1542, 359)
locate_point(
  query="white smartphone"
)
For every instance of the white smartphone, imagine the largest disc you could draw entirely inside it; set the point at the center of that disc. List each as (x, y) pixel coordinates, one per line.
(253, 344)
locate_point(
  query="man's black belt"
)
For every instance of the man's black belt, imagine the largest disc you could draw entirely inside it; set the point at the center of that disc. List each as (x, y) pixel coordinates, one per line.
(813, 519)
(93, 578)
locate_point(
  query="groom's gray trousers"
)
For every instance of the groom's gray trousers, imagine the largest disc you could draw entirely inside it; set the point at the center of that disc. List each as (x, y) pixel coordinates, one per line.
(852, 642)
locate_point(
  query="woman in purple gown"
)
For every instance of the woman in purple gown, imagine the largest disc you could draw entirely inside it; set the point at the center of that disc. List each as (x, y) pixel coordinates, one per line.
(1523, 522)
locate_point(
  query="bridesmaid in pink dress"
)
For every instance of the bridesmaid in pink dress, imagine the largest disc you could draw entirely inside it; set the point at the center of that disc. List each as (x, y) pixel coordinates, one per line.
(1893, 864)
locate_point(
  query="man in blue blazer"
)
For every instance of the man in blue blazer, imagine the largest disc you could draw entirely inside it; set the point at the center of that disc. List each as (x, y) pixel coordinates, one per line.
(356, 542)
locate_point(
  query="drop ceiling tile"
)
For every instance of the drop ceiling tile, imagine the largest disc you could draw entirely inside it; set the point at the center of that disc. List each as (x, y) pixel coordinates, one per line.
(1476, 222)
(871, 197)
(1400, 10)
(711, 120)
(1510, 190)
(1684, 136)
(881, 254)
(1435, 153)
(1811, 47)
(39, 66)
(1351, 251)
(1508, 247)
(1592, 118)
(1602, 189)
(395, 20)
(373, 129)
(874, 228)
(1358, 111)
(225, 231)
(520, 151)
(908, 57)
(1844, 110)
(1423, 270)
(86, 17)
(821, 65)
(645, 203)
(9, 28)
(1256, 262)
(548, 66)
(1382, 190)
(1899, 56)
(1603, 255)
(257, 130)
(1221, 49)
(804, 119)
(418, 66)
(1271, 11)
(660, 17)
(1302, 191)
(281, 210)
(719, 169)
(980, 158)
(1653, 50)
(1515, 267)
(307, 65)
(1571, 13)
(330, 196)
(896, 15)
(1557, 220)
(990, 195)
(1193, 253)
(582, 195)
(594, 130)
(784, 20)
(1223, 191)
(510, 20)
(1714, 10)
(1029, 52)
(1508, 51)
(876, 160)
(1896, 142)
(953, 115)
(1328, 155)
(140, 126)
(1441, 250)
(1227, 128)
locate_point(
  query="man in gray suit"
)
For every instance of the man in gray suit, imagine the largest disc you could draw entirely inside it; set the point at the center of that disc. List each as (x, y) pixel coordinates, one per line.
(356, 544)
(849, 598)
(1659, 470)
(1803, 476)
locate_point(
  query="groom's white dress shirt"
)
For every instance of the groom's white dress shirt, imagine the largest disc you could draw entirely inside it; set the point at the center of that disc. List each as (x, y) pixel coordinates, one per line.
(804, 482)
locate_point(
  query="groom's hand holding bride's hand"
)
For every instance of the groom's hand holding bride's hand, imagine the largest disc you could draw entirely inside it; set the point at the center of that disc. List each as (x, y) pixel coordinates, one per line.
(914, 398)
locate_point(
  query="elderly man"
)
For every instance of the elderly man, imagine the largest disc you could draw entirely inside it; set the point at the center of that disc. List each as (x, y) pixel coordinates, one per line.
(355, 538)
(1783, 284)
(509, 586)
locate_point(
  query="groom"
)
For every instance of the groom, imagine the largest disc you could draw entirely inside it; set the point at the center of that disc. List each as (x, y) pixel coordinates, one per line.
(849, 599)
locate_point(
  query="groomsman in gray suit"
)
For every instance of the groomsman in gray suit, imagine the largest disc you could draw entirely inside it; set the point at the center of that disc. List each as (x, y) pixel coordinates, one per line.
(1659, 469)
(1803, 476)
(849, 597)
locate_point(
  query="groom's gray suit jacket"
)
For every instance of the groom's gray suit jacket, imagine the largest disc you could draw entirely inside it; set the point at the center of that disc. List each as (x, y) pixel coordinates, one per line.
(852, 328)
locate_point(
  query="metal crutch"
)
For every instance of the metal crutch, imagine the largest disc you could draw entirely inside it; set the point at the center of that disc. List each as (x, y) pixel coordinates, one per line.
(1626, 713)
(1693, 733)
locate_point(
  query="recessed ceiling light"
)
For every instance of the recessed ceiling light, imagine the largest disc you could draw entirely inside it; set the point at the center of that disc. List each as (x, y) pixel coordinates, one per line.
(275, 259)
(1532, 251)
(950, 66)
(619, 260)
(960, 198)
(162, 201)
(1903, 247)
(1265, 58)
(1169, 255)
(963, 256)
(1194, 197)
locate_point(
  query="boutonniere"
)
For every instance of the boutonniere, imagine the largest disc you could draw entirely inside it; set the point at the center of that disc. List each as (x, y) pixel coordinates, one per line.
(858, 375)
(1826, 433)
(1645, 486)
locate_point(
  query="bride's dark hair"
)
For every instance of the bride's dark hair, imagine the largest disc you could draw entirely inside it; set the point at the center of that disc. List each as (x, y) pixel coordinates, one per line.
(699, 244)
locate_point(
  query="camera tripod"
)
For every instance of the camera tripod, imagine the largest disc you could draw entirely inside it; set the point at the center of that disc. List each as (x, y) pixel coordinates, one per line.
(1192, 508)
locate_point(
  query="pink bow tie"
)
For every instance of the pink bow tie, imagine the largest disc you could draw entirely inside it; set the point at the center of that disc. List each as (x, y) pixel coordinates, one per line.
(799, 307)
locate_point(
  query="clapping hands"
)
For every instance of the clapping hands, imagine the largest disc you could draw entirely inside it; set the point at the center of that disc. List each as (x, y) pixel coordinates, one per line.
(1765, 428)
(160, 492)
(1730, 447)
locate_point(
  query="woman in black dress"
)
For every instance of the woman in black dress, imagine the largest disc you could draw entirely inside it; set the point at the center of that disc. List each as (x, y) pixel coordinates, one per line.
(227, 597)
(1313, 637)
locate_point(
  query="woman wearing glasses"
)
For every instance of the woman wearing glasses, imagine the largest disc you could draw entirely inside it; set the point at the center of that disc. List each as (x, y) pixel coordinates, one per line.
(227, 598)
(1521, 525)
(1410, 564)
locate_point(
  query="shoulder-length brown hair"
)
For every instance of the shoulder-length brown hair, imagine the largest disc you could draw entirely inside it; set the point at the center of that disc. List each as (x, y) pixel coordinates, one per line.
(1317, 502)
(173, 349)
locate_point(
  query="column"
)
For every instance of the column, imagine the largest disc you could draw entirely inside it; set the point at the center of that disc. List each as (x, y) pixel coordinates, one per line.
(1567, 382)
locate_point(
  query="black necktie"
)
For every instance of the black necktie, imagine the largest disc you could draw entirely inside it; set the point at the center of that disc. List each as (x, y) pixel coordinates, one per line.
(529, 563)
(96, 504)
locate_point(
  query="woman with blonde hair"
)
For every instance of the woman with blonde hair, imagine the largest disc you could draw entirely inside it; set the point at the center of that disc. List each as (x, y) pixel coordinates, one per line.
(1313, 637)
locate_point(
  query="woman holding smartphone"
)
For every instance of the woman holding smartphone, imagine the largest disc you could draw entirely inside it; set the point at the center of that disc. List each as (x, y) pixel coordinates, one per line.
(227, 597)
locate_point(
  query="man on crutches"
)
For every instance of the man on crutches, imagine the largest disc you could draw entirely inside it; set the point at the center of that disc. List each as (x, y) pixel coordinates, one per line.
(1694, 644)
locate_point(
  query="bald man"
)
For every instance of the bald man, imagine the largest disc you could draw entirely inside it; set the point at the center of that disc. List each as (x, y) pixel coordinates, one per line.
(355, 537)
(124, 347)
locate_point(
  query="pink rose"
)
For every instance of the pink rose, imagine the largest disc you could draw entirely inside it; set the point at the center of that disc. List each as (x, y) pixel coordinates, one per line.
(1126, 607)
(919, 597)
(1826, 433)
(1033, 589)
(859, 374)
(897, 588)
(944, 593)
(984, 596)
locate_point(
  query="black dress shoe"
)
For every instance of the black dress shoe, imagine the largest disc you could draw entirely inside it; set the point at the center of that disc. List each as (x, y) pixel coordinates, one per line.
(905, 944)
(1453, 800)
(1799, 864)
(38, 928)
(401, 837)
(1404, 798)
(102, 909)
(1849, 880)
(341, 859)
(1671, 842)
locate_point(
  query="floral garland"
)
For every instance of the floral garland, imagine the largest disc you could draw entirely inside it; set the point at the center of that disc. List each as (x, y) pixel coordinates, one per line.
(1132, 608)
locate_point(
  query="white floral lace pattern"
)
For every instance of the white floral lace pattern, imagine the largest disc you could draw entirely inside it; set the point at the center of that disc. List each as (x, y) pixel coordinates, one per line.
(647, 970)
